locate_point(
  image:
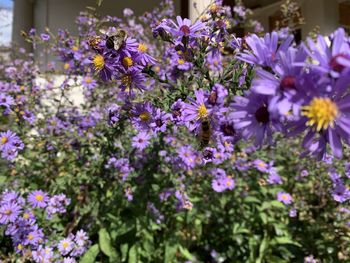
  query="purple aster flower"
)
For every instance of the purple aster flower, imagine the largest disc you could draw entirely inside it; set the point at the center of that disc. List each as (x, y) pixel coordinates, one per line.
(332, 58)
(141, 140)
(195, 112)
(184, 28)
(113, 114)
(220, 184)
(214, 61)
(10, 143)
(325, 118)
(29, 117)
(285, 198)
(122, 166)
(88, 82)
(81, 238)
(128, 12)
(143, 115)
(65, 246)
(274, 178)
(69, 260)
(217, 95)
(9, 212)
(34, 237)
(340, 193)
(293, 212)
(221, 181)
(128, 194)
(142, 57)
(130, 79)
(188, 156)
(285, 85)
(57, 205)
(304, 173)
(6, 100)
(265, 51)
(261, 165)
(251, 115)
(45, 37)
(176, 110)
(104, 65)
(160, 121)
(38, 198)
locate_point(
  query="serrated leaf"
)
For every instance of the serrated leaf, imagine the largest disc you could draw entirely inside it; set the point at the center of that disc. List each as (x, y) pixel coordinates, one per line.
(90, 255)
(105, 243)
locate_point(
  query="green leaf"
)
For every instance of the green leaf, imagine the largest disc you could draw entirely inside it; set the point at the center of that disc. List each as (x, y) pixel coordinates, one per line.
(133, 254)
(285, 241)
(170, 251)
(186, 253)
(106, 245)
(252, 199)
(124, 249)
(99, 2)
(90, 255)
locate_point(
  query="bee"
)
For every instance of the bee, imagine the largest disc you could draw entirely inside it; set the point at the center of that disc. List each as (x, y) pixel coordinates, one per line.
(212, 98)
(205, 133)
(116, 39)
(94, 41)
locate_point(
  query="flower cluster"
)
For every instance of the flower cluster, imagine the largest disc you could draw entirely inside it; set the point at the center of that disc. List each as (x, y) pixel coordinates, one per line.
(293, 96)
(21, 219)
(10, 144)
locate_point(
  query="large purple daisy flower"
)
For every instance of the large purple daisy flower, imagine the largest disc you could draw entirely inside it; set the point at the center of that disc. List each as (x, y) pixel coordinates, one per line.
(251, 115)
(264, 51)
(185, 28)
(195, 112)
(332, 58)
(326, 118)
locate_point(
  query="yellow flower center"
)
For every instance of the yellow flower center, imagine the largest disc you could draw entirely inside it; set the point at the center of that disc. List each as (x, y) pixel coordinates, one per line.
(145, 116)
(127, 62)
(99, 62)
(321, 112)
(181, 61)
(65, 244)
(26, 216)
(284, 197)
(202, 111)
(75, 48)
(142, 48)
(88, 80)
(262, 165)
(39, 197)
(126, 80)
(22, 88)
(20, 247)
(4, 140)
(8, 212)
(30, 237)
(66, 66)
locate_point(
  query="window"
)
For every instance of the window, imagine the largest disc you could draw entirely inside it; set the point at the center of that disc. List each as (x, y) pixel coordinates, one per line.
(6, 17)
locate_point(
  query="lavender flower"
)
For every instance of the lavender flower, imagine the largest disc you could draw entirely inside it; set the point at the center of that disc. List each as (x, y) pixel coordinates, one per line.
(285, 198)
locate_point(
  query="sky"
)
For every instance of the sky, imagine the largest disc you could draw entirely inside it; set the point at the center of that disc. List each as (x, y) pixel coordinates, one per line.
(6, 21)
